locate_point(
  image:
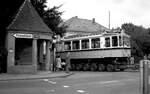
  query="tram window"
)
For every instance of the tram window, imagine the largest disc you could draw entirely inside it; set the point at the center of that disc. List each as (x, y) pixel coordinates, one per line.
(114, 41)
(85, 44)
(95, 43)
(126, 41)
(107, 42)
(76, 45)
(67, 45)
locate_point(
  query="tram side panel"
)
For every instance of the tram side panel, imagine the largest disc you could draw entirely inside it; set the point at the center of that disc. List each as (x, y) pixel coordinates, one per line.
(97, 59)
(96, 53)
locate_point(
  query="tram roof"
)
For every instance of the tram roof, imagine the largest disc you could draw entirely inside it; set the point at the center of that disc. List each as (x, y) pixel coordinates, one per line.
(27, 19)
(96, 34)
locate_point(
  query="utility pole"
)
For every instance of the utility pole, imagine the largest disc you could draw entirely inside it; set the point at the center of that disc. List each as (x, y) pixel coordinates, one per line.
(109, 21)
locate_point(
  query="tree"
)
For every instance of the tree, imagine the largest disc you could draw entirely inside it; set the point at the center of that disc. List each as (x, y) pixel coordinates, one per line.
(140, 42)
(9, 8)
(52, 18)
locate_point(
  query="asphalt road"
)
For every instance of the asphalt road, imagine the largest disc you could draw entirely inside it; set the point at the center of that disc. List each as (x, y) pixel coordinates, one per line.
(79, 83)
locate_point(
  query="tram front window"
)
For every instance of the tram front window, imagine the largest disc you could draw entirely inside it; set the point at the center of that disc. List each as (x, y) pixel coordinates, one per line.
(95, 43)
(107, 42)
(85, 44)
(126, 41)
(76, 45)
(114, 41)
(67, 45)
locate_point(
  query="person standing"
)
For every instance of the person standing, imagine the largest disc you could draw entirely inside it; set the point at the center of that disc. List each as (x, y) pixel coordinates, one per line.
(132, 60)
(63, 64)
(67, 62)
(58, 60)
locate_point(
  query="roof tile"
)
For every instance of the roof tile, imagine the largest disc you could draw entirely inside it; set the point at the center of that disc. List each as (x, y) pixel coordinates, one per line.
(27, 19)
(78, 24)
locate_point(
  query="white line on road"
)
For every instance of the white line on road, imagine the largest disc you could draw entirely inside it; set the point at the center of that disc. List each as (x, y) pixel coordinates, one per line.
(107, 82)
(81, 91)
(50, 90)
(52, 82)
(110, 82)
(45, 80)
(66, 86)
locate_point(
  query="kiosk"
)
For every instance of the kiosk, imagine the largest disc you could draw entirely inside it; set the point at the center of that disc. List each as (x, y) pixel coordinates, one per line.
(28, 41)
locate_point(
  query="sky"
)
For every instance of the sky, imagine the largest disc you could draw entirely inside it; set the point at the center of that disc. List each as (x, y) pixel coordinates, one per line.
(121, 11)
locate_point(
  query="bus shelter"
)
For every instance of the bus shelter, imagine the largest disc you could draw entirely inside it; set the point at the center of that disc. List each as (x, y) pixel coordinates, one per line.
(28, 42)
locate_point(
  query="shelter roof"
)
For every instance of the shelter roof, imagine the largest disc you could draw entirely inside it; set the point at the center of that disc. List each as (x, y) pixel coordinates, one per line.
(27, 19)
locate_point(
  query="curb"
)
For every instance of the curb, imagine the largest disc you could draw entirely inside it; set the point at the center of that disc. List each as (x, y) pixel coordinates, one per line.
(42, 77)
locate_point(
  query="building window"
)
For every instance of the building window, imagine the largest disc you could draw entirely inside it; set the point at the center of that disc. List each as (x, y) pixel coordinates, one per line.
(76, 45)
(95, 43)
(107, 42)
(114, 41)
(67, 45)
(85, 44)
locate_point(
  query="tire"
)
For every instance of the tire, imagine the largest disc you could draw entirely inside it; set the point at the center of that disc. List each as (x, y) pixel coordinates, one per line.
(101, 67)
(110, 67)
(79, 67)
(85, 67)
(122, 69)
(93, 67)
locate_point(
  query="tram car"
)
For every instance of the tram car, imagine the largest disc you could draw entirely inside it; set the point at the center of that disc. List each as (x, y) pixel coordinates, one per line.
(107, 51)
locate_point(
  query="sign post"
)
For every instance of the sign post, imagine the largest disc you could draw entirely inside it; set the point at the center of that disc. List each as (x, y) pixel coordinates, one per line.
(20, 35)
(145, 76)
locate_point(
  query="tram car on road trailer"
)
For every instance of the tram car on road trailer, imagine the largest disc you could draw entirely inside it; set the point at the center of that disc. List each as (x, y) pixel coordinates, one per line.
(107, 51)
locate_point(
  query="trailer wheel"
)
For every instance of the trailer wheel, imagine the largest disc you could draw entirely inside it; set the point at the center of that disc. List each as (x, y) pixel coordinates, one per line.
(93, 67)
(122, 69)
(73, 67)
(79, 67)
(110, 67)
(85, 67)
(101, 67)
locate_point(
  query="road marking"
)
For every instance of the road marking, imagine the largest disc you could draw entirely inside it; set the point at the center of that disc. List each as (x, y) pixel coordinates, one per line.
(50, 90)
(107, 82)
(52, 82)
(45, 80)
(66, 86)
(81, 91)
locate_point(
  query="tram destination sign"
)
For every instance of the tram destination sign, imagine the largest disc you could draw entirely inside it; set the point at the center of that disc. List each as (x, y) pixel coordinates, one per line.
(19, 35)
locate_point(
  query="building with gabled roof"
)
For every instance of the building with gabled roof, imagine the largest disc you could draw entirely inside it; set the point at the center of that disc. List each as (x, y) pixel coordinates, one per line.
(28, 42)
(77, 25)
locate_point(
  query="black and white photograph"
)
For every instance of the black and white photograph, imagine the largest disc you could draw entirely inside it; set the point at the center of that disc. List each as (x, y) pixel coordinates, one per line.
(75, 47)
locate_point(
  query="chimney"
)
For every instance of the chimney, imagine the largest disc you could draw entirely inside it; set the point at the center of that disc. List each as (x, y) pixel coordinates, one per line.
(93, 20)
(76, 16)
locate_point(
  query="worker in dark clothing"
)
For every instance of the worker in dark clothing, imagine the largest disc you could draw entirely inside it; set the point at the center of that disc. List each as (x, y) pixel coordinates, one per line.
(67, 62)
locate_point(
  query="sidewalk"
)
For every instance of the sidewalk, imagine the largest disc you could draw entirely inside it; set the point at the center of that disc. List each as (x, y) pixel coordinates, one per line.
(39, 75)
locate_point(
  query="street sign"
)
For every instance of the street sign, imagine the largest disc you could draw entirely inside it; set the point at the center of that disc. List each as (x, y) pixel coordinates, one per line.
(19, 35)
